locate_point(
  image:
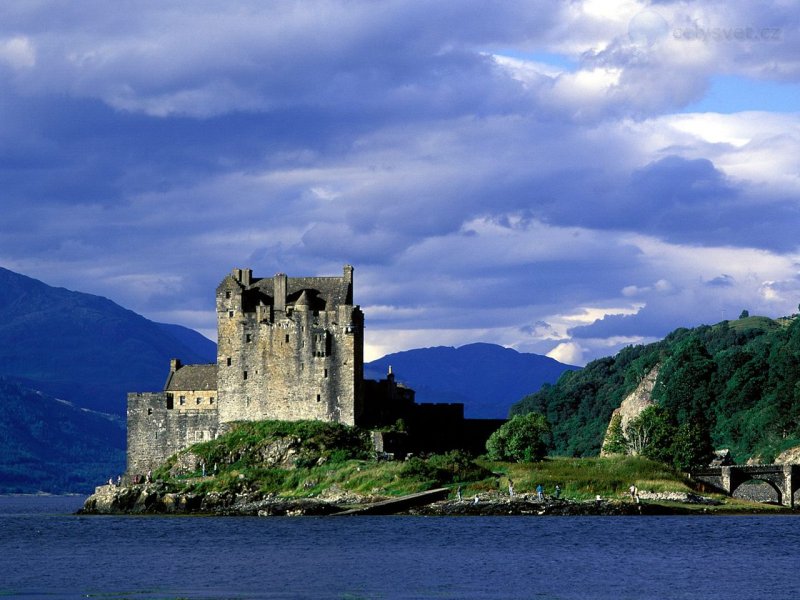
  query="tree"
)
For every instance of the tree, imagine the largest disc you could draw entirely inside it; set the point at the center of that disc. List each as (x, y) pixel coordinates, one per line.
(745, 314)
(524, 438)
(650, 433)
(691, 447)
(615, 440)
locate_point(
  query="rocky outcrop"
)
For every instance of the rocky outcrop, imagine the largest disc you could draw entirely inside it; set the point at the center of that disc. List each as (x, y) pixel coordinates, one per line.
(632, 406)
(790, 456)
(157, 499)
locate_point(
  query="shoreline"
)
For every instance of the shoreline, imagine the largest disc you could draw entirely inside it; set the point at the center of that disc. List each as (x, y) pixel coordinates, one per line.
(154, 499)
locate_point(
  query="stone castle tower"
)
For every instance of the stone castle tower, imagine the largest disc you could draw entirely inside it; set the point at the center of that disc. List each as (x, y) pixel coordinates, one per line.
(289, 348)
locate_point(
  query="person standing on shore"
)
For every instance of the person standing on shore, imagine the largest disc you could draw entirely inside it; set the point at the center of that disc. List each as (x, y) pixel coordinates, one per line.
(540, 492)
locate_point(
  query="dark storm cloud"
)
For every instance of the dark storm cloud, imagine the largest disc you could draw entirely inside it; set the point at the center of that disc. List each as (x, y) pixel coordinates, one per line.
(147, 149)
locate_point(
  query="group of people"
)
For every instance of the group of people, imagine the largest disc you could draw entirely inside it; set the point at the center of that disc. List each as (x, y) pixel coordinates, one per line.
(137, 479)
(539, 492)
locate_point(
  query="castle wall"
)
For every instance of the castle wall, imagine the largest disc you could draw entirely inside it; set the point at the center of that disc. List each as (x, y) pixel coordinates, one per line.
(185, 400)
(156, 431)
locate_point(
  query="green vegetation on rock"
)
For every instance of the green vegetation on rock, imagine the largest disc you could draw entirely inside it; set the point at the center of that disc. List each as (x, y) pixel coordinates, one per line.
(329, 462)
(308, 459)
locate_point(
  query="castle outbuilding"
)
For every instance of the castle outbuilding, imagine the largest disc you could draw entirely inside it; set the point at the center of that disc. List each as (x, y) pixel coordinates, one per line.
(289, 348)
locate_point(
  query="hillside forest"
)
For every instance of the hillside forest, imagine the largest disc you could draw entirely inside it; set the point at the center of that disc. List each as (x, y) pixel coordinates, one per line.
(732, 385)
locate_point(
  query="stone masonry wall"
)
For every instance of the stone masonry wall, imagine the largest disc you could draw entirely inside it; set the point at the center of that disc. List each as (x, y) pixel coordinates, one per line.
(155, 432)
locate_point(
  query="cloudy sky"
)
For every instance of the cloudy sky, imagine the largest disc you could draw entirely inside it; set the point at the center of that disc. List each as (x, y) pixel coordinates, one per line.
(561, 177)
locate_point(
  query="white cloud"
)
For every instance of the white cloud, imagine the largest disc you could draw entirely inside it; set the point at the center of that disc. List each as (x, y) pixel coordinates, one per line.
(18, 52)
(569, 353)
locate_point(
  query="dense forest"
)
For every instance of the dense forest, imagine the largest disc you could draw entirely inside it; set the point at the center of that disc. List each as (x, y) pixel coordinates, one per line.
(732, 385)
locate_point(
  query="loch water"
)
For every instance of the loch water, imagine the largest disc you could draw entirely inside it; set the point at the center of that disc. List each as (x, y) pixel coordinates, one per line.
(48, 552)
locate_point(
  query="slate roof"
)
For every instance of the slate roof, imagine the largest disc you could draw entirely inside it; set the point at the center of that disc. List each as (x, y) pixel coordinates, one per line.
(322, 293)
(334, 291)
(192, 377)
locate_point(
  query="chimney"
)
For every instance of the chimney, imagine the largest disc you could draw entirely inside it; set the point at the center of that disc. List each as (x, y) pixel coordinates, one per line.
(174, 365)
(280, 291)
(348, 279)
(243, 276)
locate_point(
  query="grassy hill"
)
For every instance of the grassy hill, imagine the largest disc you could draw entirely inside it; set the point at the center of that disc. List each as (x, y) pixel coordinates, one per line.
(732, 385)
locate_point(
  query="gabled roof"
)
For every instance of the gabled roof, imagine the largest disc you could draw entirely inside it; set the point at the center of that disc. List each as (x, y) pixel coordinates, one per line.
(192, 377)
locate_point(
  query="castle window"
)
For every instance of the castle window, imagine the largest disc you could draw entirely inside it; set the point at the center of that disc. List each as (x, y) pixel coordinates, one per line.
(149, 411)
(228, 361)
(326, 373)
(228, 294)
(230, 313)
(211, 400)
(244, 374)
(198, 400)
(182, 400)
(319, 397)
(287, 338)
(248, 338)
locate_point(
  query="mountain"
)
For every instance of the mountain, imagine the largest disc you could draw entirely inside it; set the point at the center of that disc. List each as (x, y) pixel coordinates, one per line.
(487, 378)
(732, 385)
(84, 348)
(67, 362)
(50, 445)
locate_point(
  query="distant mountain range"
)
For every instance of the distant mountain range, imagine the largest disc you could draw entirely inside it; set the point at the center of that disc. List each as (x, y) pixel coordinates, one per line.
(487, 378)
(86, 349)
(67, 362)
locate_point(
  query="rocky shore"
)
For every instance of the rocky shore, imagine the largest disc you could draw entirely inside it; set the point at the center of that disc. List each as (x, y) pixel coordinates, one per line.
(155, 498)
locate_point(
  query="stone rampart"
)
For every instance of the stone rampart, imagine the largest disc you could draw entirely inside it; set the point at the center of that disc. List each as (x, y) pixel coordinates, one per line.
(155, 431)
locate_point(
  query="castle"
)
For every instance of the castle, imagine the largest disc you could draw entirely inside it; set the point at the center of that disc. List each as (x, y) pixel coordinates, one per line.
(289, 348)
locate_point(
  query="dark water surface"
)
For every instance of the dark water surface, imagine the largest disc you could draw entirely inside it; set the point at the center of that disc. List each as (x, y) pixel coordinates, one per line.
(45, 552)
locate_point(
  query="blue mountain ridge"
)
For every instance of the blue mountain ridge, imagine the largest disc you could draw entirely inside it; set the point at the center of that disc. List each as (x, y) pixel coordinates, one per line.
(487, 378)
(67, 362)
(85, 348)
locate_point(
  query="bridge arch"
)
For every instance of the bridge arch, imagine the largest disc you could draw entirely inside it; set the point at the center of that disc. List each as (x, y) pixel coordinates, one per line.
(784, 479)
(775, 487)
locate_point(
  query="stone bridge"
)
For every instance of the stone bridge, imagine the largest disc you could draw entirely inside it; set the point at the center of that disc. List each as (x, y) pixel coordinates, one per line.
(784, 479)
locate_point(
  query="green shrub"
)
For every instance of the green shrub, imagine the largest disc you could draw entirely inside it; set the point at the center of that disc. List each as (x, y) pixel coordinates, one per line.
(522, 439)
(442, 469)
